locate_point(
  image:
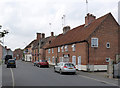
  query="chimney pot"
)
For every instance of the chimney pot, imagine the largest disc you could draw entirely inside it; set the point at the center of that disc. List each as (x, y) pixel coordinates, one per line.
(52, 33)
(38, 36)
(43, 35)
(89, 19)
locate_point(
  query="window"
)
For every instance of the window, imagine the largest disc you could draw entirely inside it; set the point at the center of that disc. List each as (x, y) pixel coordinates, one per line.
(94, 42)
(53, 60)
(48, 50)
(58, 49)
(108, 45)
(52, 50)
(66, 48)
(73, 47)
(74, 60)
(49, 59)
(107, 59)
(62, 48)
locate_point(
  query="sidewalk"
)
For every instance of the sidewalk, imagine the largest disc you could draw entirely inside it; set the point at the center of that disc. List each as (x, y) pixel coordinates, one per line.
(0, 76)
(101, 76)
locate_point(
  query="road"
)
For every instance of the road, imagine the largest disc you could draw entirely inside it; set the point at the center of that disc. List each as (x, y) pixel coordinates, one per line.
(28, 75)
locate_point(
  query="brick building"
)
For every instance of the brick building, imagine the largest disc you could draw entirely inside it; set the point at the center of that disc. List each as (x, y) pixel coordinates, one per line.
(1, 51)
(38, 50)
(18, 54)
(89, 46)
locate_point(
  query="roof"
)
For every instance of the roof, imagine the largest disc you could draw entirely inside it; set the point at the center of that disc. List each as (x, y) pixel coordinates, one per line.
(79, 33)
(29, 45)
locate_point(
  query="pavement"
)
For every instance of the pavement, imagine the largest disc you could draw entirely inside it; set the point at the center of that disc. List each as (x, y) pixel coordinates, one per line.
(28, 75)
(0, 75)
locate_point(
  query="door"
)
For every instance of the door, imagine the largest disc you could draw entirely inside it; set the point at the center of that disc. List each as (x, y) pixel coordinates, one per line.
(79, 62)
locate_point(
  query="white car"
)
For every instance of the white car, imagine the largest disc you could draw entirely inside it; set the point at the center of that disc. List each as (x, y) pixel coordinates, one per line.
(65, 67)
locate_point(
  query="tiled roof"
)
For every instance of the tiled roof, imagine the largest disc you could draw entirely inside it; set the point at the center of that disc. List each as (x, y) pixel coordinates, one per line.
(28, 46)
(79, 33)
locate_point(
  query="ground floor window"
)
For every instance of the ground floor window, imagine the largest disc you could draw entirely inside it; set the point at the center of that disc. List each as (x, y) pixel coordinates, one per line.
(49, 59)
(74, 60)
(53, 59)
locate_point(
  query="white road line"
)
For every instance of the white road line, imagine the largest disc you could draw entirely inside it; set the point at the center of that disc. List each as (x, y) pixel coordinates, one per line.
(12, 77)
(98, 80)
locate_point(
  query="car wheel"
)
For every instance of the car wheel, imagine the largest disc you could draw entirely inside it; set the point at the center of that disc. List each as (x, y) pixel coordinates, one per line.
(7, 66)
(74, 73)
(60, 71)
(14, 66)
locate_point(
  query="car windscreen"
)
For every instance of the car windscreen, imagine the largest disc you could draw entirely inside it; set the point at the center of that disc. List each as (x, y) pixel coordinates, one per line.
(69, 65)
(8, 57)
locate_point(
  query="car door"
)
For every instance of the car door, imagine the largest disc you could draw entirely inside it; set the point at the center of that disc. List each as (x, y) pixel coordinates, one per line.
(57, 66)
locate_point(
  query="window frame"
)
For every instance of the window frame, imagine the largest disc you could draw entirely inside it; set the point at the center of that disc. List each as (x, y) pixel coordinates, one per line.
(58, 49)
(74, 47)
(92, 45)
(66, 48)
(107, 44)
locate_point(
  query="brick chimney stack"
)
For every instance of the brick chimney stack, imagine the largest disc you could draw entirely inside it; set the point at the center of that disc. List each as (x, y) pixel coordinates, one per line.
(43, 35)
(66, 29)
(38, 36)
(52, 33)
(89, 19)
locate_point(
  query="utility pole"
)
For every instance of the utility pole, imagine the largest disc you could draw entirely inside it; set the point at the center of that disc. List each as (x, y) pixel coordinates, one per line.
(86, 6)
(63, 21)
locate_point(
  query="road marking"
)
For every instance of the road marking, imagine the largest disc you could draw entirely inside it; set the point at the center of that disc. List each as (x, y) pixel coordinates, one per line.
(98, 80)
(12, 77)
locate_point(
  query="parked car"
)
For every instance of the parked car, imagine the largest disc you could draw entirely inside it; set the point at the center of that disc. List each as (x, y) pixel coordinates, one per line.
(43, 63)
(7, 57)
(36, 63)
(65, 67)
(11, 63)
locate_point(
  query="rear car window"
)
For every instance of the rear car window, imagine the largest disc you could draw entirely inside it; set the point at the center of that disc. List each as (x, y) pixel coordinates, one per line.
(69, 64)
(11, 61)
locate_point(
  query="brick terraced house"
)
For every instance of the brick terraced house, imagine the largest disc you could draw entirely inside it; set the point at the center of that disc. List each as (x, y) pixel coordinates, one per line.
(38, 50)
(89, 46)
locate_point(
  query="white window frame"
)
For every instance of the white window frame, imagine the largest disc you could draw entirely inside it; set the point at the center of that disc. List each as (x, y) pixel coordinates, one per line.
(73, 47)
(107, 58)
(93, 42)
(48, 50)
(107, 44)
(52, 50)
(74, 60)
(53, 59)
(58, 49)
(62, 48)
(66, 48)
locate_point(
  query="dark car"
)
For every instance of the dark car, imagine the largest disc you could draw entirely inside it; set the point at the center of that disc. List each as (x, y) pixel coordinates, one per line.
(36, 63)
(43, 63)
(11, 63)
(7, 57)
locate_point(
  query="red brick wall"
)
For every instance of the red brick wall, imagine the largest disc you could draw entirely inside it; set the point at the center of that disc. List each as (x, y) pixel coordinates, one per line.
(107, 32)
(80, 51)
(1, 51)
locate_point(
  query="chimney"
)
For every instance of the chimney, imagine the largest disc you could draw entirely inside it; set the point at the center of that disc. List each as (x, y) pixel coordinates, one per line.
(89, 19)
(52, 33)
(66, 29)
(5, 47)
(38, 36)
(43, 35)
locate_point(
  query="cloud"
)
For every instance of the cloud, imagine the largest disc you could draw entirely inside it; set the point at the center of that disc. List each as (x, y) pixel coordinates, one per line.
(24, 18)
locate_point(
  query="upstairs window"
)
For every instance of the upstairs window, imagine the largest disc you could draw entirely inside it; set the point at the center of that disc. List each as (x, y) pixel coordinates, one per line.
(107, 45)
(62, 48)
(58, 49)
(66, 48)
(73, 47)
(94, 42)
(48, 50)
(52, 50)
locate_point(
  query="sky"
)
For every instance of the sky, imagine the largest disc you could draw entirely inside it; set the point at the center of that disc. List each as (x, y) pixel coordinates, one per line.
(24, 18)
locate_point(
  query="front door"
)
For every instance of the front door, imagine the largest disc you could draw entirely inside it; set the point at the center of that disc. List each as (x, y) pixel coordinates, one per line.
(79, 62)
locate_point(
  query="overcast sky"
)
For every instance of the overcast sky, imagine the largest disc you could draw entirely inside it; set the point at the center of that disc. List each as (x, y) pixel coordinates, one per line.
(24, 18)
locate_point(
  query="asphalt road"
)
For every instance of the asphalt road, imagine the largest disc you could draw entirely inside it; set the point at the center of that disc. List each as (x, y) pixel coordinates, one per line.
(25, 74)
